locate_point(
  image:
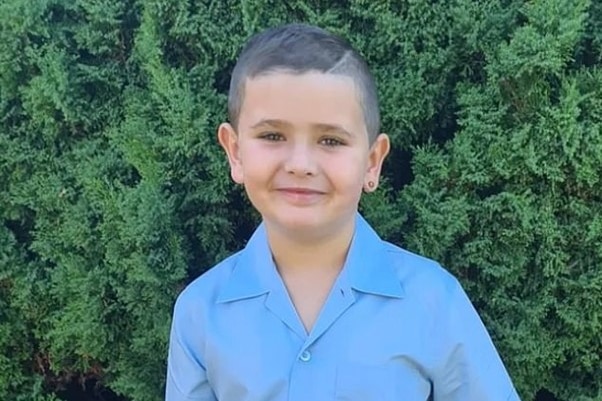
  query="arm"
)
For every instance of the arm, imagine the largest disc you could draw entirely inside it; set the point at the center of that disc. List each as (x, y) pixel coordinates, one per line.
(470, 369)
(186, 374)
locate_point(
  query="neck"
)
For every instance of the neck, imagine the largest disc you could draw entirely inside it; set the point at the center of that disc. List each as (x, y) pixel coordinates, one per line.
(294, 254)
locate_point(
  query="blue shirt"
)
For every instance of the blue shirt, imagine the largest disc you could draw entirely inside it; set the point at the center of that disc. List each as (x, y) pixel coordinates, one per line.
(395, 326)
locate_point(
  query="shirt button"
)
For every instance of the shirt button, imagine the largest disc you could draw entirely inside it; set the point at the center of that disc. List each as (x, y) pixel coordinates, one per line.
(305, 356)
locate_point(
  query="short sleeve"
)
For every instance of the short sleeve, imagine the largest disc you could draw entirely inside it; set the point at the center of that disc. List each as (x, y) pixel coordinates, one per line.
(186, 374)
(470, 368)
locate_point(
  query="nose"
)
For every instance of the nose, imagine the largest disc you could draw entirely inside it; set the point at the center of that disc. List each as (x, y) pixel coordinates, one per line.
(301, 161)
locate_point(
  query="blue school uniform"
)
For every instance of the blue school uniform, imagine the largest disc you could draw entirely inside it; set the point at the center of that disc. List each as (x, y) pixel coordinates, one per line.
(395, 326)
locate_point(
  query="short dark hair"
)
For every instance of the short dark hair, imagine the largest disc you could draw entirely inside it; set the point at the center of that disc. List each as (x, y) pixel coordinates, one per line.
(300, 48)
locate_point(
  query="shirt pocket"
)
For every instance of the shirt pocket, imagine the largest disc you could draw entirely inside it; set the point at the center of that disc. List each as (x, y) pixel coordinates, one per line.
(360, 382)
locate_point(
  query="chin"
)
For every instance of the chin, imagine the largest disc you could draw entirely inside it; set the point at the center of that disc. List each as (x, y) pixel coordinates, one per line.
(306, 225)
(297, 221)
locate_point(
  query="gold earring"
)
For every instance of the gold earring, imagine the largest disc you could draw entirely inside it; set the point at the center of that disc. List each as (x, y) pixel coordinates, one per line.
(371, 184)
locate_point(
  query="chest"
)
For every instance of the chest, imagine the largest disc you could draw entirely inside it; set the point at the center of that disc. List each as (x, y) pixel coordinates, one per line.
(308, 298)
(359, 353)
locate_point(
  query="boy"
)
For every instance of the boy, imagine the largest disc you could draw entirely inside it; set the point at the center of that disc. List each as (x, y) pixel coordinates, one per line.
(316, 306)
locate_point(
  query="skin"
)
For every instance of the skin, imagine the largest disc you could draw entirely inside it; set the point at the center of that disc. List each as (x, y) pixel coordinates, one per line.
(302, 152)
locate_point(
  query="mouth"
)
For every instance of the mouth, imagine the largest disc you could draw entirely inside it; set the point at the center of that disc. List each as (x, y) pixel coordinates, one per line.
(300, 191)
(301, 196)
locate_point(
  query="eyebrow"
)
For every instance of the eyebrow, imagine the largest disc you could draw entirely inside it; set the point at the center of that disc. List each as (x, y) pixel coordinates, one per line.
(271, 123)
(332, 128)
(321, 127)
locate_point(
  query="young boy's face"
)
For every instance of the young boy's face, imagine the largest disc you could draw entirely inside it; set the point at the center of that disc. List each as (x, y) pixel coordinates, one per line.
(302, 152)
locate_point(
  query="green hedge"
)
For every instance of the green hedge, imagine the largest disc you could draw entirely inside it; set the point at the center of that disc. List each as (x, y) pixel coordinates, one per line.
(114, 193)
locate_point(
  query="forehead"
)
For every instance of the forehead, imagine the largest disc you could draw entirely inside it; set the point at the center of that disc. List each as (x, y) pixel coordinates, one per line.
(301, 99)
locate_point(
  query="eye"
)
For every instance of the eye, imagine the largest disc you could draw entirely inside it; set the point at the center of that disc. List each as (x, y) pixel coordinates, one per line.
(331, 142)
(272, 136)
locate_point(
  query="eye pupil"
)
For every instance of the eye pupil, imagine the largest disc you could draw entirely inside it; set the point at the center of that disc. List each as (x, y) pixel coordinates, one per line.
(331, 142)
(272, 136)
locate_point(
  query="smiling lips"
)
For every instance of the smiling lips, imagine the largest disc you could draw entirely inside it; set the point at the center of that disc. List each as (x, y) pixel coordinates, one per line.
(300, 196)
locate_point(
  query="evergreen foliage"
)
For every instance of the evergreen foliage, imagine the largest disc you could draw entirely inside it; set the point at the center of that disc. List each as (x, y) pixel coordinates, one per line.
(114, 193)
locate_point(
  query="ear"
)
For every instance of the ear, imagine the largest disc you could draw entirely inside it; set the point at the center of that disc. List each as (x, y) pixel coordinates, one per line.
(229, 140)
(378, 151)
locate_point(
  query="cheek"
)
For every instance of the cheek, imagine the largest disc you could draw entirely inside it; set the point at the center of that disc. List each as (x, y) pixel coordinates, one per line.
(354, 167)
(258, 166)
(350, 176)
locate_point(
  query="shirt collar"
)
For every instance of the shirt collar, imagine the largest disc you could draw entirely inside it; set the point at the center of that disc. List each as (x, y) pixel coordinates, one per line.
(254, 272)
(367, 268)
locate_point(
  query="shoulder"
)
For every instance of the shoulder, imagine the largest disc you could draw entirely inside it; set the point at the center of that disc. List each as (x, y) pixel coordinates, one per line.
(204, 290)
(421, 278)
